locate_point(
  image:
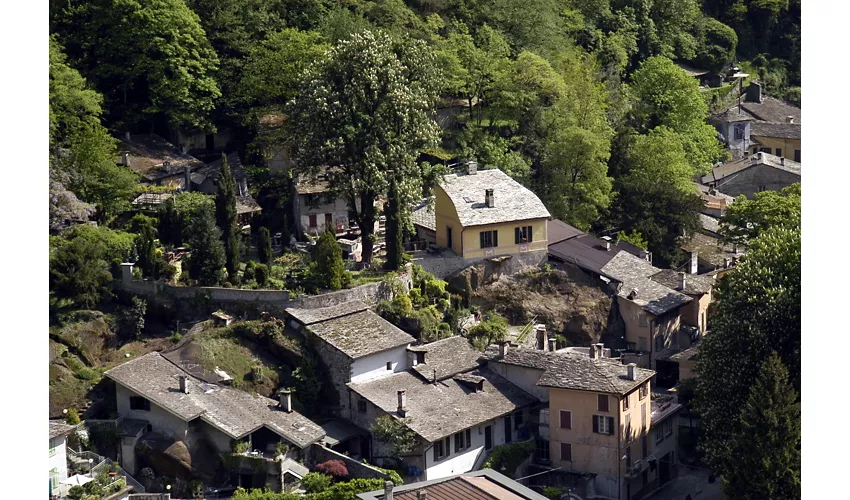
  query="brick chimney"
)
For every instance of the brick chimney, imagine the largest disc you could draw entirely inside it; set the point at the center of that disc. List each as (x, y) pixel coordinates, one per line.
(631, 370)
(489, 198)
(285, 400)
(184, 386)
(402, 403)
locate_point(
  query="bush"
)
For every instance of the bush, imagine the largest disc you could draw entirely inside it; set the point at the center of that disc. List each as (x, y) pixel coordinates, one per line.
(335, 468)
(241, 447)
(176, 337)
(261, 274)
(316, 482)
(248, 273)
(507, 458)
(72, 418)
(394, 476)
(281, 448)
(76, 493)
(553, 493)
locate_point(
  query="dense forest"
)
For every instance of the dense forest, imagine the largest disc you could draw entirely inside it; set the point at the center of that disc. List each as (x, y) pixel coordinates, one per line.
(577, 99)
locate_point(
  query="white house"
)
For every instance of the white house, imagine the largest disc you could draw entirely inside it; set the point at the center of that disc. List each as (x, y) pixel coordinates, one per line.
(58, 461)
(355, 344)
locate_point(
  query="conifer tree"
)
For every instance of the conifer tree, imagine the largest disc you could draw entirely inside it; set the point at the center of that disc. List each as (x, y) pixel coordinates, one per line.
(394, 235)
(264, 246)
(208, 257)
(225, 214)
(765, 458)
(146, 248)
(329, 268)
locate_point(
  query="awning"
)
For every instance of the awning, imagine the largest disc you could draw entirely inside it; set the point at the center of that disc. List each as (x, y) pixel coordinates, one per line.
(76, 480)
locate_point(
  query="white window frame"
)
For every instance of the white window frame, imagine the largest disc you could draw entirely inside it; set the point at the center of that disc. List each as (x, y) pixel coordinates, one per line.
(602, 424)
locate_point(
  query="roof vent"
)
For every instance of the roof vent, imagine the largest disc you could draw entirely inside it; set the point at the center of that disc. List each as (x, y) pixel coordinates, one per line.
(789, 119)
(633, 294)
(631, 370)
(489, 198)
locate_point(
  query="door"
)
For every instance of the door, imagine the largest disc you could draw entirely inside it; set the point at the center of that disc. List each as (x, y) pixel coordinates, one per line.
(508, 437)
(210, 142)
(664, 469)
(449, 237)
(488, 437)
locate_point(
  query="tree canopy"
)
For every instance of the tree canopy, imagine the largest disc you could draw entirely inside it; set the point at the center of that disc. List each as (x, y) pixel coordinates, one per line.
(746, 219)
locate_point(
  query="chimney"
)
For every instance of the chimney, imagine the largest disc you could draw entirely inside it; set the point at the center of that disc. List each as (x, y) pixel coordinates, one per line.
(727, 262)
(761, 156)
(402, 406)
(592, 351)
(782, 160)
(694, 263)
(631, 372)
(187, 178)
(606, 243)
(127, 136)
(489, 198)
(471, 167)
(633, 294)
(789, 119)
(600, 350)
(184, 387)
(541, 337)
(421, 495)
(754, 93)
(479, 386)
(388, 490)
(503, 349)
(553, 345)
(682, 281)
(285, 397)
(125, 158)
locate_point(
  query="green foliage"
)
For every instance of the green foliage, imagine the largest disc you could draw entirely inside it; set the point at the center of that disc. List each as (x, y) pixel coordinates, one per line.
(765, 458)
(393, 476)
(507, 458)
(281, 448)
(72, 418)
(148, 260)
(264, 246)
(634, 238)
(746, 219)
(759, 302)
(329, 269)
(716, 44)
(435, 289)
(553, 493)
(76, 493)
(381, 130)
(316, 482)
(491, 330)
(208, 257)
(226, 217)
(136, 317)
(307, 382)
(393, 432)
(241, 447)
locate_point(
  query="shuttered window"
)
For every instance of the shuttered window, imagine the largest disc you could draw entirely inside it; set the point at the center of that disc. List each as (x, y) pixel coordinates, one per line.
(489, 239)
(566, 420)
(602, 402)
(522, 235)
(566, 452)
(603, 424)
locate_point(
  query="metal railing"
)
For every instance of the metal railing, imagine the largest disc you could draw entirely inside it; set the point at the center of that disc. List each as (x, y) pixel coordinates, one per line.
(103, 465)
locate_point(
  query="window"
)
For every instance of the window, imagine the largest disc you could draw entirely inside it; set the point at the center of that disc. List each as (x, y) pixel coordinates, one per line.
(626, 402)
(312, 221)
(542, 450)
(644, 321)
(463, 440)
(489, 239)
(139, 403)
(522, 234)
(544, 417)
(644, 388)
(517, 420)
(627, 436)
(52, 451)
(329, 221)
(54, 478)
(566, 420)
(361, 406)
(765, 150)
(439, 453)
(778, 152)
(644, 446)
(448, 236)
(631, 346)
(389, 365)
(668, 428)
(602, 402)
(739, 132)
(566, 452)
(603, 424)
(797, 155)
(642, 344)
(659, 434)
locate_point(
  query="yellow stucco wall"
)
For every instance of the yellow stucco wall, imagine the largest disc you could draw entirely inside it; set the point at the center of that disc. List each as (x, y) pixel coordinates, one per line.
(696, 312)
(786, 145)
(631, 313)
(466, 241)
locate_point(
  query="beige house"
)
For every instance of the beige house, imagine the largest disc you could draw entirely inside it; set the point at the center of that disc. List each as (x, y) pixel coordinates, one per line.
(485, 213)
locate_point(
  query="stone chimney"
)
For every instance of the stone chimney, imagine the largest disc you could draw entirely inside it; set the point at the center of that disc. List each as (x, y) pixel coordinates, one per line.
(631, 370)
(187, 178)
(285, 398)
(503, 349)
(782, 160)
(694, 267)
(592, 351)
(125, 158)
(633, 294)
(489, 198)
(682, 281)
(600, 350)
(789, 119)
(184, 386)
(542, 338)
(754, 93)
(402, 403)
(553, 345)
(126, 272)
(606, 243)
(388, 490)
(471, 167)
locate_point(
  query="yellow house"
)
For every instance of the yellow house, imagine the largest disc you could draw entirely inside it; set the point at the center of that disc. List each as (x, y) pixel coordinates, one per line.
(485, 213)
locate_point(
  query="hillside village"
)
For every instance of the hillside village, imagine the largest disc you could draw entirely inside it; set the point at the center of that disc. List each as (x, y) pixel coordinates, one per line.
(398, 251)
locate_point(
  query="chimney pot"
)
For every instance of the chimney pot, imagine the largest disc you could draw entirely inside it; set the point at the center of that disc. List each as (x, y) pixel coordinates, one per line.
(503, 349)
(471, 167)
(184, 386)
(402, 403)
(789, 119)
(683, 281)
(600, 350)
(489, 198)
(553, 345)
(285, 396)
(388, 490)
(592, 351)
(631, 368)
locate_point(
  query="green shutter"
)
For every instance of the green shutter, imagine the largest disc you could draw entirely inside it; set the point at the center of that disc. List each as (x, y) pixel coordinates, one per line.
(482, 238)
(530, 239)
(516, 235)
(495, 238)
(595, 425)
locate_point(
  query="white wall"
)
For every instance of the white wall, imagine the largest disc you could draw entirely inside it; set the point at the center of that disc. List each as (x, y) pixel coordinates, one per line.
(458, 463)
(58, 461)
(160, 419)
(375, 365)
(524, 378)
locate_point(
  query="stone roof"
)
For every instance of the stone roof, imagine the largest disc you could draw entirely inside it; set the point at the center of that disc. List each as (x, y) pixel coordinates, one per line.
(735, 166)
(558, 230)
(567, 370)
(316, 315)
(709, 249)
(435, 411)
(360, 334)
(634, 274)
(234, 412)
(708, 223)
(149, 152)
(686, 355)
(247, 204)
(312, 184)
(59, 428)
(772, 110)
(423, 215)
(212, 169)
(513, 201)
(779, 130)
(733, 114)
(694, 284)
(448, 357)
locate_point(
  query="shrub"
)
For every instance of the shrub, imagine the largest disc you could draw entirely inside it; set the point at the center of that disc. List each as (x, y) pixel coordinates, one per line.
(176, 337)
(335, 468)
(316, 482)
(248, 273)
(86, 373)
(76, 493)
(553, 493)
(261, 274)
(241, 447)
(281, 448)
(72, 418)
(394, 476)
(264, 246)
(507, 458)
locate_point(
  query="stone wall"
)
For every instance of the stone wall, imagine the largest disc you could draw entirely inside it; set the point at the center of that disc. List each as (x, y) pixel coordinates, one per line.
(445, 267)
(319, 454)
(760, 177)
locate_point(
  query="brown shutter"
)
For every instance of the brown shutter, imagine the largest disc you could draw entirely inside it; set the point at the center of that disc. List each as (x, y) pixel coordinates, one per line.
(602, 400)
(495, 238)
(517, 236)
(595, 425)
(610, 424)
(566, 452)
(566, 420)
(529, 235)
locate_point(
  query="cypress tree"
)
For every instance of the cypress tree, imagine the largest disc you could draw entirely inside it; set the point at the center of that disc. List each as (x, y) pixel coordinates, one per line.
(264, 246)
(170, 230)
(394, 234)
(329, 268)
(225, 215)
(765, 458)
(207, 250)
(146, 249)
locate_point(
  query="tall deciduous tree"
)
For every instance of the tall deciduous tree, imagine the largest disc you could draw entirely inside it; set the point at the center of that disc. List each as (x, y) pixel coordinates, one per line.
(225, 214)
(208, 259)
(765, 458)
(758, 312)
(746, 219)
(364, 109)
(148, 58)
